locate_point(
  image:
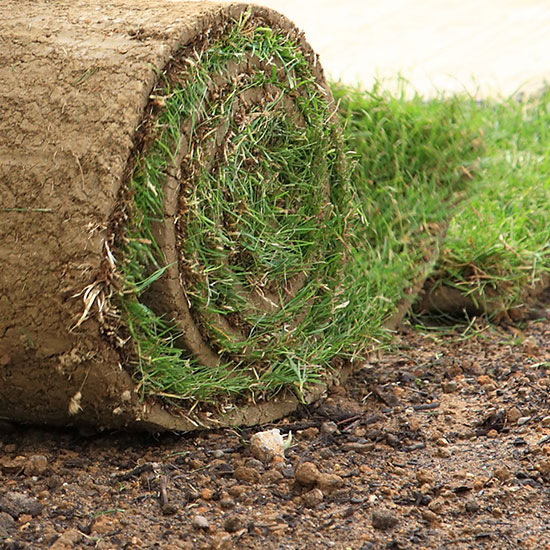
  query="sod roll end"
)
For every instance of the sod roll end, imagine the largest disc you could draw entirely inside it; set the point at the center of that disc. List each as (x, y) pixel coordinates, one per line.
(173, 216)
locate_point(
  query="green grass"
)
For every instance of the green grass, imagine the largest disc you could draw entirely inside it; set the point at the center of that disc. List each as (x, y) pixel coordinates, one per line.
(267, 204)
(271, 194)
(498, 243)
(413, 164)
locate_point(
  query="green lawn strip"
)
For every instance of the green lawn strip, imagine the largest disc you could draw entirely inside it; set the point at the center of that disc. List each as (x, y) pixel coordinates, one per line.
(413, 164)
(498, 244)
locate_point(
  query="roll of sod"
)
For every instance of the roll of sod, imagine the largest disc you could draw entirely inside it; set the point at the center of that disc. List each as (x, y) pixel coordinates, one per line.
(184, 242)
(173, 219)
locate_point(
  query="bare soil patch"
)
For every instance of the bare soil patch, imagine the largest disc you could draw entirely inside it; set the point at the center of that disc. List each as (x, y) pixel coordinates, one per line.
(443, 444)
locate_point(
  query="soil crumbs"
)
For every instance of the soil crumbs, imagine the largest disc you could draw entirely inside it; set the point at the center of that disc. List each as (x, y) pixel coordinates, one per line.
(443, 444)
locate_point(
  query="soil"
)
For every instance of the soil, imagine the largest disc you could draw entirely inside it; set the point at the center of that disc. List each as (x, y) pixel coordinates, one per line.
(444, 443)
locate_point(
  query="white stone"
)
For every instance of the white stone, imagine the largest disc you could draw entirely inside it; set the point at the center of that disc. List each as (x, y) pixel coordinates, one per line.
(265, 446)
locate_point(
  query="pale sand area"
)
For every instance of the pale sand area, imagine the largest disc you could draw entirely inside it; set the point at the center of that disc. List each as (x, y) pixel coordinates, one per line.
(482, 46)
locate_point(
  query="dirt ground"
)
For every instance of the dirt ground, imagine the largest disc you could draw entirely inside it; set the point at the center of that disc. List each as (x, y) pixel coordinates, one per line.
(444, 443)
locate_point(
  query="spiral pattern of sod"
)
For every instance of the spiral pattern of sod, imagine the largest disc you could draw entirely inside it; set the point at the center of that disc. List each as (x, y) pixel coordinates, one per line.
(245, 177)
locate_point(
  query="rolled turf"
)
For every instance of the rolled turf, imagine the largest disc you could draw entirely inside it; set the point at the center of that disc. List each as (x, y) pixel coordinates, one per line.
(182, 245)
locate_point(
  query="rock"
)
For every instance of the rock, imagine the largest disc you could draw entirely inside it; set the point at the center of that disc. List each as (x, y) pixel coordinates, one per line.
(67, 540)
(36, 465)
(227, 503)
(105, 524)
(530, 345)
(256, 464)
(288, 472)
(443, 452)
(545, 421)
(513, 414)
(200, 522)
(207, 493)
(310, 433)
(424, 476)
(232, 524)
(429, 516)
(7, 525)
(265, 446)
(485, 380)
(218, 453)
(502, 473)
(271, 476)
(328, 429)
(384, 519)
(221, 541)
(523, 420)
(307, 473)
(12, 465)
(471, 506)
(543, 467)
(313, 498)
(450, 386)
(17, 504)
(329, 482)
(244, 473)
(237, 491)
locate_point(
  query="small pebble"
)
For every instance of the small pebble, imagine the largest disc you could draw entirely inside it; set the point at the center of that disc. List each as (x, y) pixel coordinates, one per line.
(232, 524)
(218, 453)
(523, 420)
(485, 380)
(543, 467)
(430, 516)
(258, 465)
(329, 482)
(227, 503)
(384, 519)
(7, 525)
(271, 476)
(36, 465)
(424, 476)
(546, 421)
(502, 473)
(67, 540)
(471, 506)
(307, 473)
(17, 504)
(265, 446)
(200, 522)
(313, 498)
(450, 386)
(513, 414)
(237, 491)
(288, 472)
(310, 433)
(245, 473)
(443, 452)
(329, 429)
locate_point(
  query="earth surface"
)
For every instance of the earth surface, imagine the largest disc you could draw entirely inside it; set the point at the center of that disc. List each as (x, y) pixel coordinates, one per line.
(443, 443)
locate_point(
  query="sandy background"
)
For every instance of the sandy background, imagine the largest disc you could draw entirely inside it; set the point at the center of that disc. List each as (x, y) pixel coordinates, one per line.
(482, 46)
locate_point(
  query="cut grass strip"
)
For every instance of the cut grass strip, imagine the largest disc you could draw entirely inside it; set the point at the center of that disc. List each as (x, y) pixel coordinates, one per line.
(413, 165)
(497, 250)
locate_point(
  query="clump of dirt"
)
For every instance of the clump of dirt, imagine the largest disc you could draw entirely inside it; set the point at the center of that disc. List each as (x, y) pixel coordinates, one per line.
(443, 444)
